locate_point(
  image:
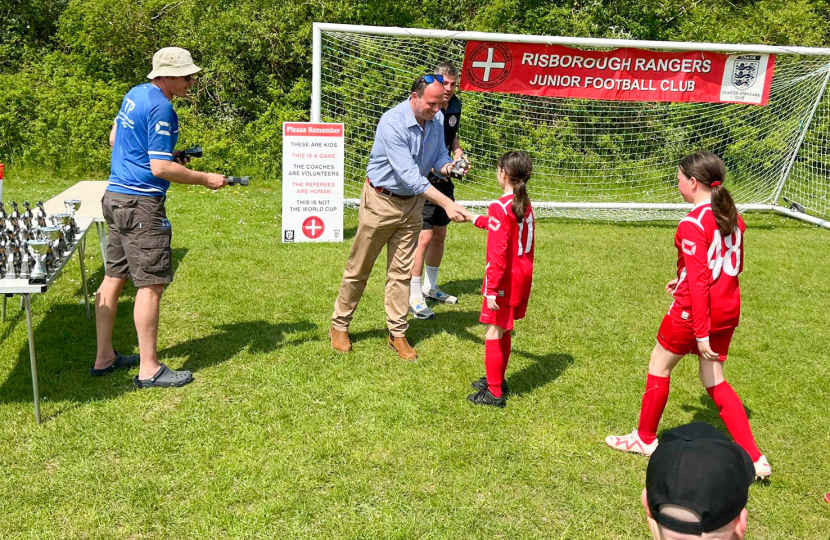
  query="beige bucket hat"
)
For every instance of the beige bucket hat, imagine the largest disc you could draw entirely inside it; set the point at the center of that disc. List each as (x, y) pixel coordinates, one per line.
(173, 62)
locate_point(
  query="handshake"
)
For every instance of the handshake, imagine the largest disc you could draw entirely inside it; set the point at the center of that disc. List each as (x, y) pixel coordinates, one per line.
(458, 213)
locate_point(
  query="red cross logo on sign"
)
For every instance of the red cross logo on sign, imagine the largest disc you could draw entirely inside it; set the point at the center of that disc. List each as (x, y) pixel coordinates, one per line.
(488, 65)
(313, 227)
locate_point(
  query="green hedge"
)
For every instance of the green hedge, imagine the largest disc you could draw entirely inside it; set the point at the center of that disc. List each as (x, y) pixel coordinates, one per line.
(65, 65)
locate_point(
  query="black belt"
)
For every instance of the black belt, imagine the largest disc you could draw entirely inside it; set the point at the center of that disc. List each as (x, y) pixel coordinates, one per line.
(387, 192)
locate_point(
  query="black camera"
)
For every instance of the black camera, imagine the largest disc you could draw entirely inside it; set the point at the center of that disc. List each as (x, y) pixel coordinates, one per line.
(238, 180)
(188, 153)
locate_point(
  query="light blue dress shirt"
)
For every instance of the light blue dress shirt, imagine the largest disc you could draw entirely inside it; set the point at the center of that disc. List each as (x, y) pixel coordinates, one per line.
(404, 152)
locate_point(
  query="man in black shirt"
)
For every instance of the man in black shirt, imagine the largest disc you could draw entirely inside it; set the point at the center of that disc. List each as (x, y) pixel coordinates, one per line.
(431, 240)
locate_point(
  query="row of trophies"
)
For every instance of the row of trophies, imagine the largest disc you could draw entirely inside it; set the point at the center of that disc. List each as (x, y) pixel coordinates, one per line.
(34, 244)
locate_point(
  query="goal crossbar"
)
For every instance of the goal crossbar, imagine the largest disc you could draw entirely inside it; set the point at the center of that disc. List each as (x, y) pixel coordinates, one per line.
(592, 158)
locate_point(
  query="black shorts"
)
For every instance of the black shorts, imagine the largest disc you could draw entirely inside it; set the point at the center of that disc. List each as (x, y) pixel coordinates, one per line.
(138, 243)
(434, 215)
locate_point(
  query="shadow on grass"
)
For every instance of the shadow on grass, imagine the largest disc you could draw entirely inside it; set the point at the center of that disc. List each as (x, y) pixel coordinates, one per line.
(450, 322)
(545, 368)
(65, 349)
(707, 412)
(255, 336)
(456, 323)
(459, 287)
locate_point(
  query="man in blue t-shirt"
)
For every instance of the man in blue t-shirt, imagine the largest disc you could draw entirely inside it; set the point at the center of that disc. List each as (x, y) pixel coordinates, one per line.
(144, 162)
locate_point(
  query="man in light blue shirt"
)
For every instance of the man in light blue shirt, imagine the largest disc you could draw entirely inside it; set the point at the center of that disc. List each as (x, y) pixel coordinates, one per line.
(409, 143)
(144, 162)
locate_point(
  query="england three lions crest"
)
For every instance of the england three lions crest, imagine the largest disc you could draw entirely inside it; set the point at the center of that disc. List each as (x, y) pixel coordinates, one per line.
(745, 71)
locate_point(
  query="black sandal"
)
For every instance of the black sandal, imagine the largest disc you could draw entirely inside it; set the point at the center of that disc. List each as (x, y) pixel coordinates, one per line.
(121, 361)
(164, 378)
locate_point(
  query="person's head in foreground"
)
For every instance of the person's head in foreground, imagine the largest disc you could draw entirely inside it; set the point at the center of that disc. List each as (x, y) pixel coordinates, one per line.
(697, 485)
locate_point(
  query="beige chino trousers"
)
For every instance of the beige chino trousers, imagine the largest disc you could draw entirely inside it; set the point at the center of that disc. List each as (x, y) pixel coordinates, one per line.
(388, 221)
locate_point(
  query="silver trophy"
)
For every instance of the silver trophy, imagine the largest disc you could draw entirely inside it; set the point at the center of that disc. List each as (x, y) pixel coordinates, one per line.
(460, 167)
(66, 223)
(72, 206)
(14, 261)
(54, 236)
(3, 241)
(38, 249)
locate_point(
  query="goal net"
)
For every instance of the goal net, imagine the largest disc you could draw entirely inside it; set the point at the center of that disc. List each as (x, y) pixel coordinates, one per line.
(592, 159)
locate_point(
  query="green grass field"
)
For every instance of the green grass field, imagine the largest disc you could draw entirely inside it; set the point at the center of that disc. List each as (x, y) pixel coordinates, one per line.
(280, 437)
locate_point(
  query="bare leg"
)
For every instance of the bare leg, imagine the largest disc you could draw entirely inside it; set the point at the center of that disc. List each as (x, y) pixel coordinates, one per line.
(662, 361)
(435, 248)
(146, 315)
(424, 239)
(106, 306)
(493, 332)
(710, 373)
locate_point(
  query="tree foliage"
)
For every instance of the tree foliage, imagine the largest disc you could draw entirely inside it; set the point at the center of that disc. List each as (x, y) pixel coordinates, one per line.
(65, 64)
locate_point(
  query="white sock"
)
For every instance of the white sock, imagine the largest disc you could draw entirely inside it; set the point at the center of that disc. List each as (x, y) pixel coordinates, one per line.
(431, 275)
(415, 287)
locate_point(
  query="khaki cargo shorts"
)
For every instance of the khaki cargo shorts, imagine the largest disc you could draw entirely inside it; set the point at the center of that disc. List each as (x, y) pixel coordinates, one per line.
(138, 243)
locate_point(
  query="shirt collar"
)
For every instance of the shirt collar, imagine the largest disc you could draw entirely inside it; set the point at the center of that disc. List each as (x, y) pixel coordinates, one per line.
(702, 203)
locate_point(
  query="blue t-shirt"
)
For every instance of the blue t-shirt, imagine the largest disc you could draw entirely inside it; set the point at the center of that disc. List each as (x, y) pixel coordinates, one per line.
(148, 128)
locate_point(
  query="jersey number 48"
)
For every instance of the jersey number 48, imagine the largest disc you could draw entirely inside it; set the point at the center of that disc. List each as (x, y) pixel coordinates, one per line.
(718, 260)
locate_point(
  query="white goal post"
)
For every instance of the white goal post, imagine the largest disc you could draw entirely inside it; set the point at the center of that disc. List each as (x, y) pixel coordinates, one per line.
(593, 159)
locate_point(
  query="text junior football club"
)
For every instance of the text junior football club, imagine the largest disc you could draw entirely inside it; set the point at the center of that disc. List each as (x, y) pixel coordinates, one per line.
(643, 65)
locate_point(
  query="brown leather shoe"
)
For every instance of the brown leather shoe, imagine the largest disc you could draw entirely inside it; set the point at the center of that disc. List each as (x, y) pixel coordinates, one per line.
(340, 340)
(402, 347)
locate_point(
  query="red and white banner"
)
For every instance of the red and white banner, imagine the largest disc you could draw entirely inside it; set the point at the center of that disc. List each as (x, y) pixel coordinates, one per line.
(618, 75)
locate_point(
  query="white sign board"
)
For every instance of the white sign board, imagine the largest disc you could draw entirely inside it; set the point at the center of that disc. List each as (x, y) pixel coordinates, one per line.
(312, 182)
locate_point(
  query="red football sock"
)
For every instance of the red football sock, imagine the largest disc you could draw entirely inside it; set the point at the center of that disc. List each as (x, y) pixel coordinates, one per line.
(493, 365)
(505, 351)
(733, 414)
(654, 401)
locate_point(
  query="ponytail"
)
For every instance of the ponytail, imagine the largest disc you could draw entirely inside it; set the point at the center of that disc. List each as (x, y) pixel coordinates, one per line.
(709, 170)
(521, 201)
(726, 213)
(518, 168)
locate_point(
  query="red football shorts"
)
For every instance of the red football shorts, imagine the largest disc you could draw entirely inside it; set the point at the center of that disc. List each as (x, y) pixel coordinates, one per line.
(503, 317)
(678, 336)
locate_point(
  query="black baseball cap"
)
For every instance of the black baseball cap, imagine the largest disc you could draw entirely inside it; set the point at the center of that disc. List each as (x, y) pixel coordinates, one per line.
(697, 467)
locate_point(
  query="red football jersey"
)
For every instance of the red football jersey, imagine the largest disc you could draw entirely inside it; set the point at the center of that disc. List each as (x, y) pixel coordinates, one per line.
(510, 249)
(707, 272)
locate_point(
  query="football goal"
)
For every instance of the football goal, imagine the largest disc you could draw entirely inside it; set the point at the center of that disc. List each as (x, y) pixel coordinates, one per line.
(593, 158)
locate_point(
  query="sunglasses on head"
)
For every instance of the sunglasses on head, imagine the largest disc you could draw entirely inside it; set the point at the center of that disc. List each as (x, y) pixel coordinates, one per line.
(428, 79)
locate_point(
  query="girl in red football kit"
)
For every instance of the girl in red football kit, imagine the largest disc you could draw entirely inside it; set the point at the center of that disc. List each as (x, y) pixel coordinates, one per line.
(506, 288)
(705, 311)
